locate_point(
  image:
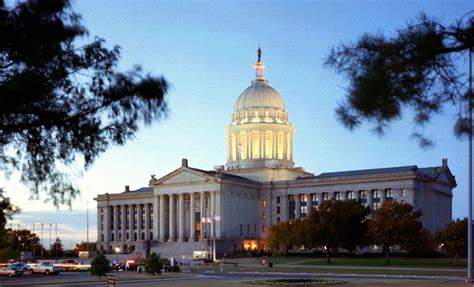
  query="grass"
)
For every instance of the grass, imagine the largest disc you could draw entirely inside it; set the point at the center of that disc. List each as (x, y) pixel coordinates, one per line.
(444, 263)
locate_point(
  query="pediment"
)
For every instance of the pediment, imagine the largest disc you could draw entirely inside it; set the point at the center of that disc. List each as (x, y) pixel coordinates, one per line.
(447, 177)
(183, 175)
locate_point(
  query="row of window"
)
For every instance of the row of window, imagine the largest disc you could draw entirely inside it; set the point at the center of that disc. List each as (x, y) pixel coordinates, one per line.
(127, 236)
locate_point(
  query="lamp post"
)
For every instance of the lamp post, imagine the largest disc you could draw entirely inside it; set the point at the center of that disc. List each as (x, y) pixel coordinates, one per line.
(117, 251)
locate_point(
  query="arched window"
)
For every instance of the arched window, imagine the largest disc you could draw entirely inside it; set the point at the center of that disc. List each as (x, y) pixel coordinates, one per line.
(242, 145)
(268, 144)
(288, 146)
(255, 144)
(143, 235)
(280, 145)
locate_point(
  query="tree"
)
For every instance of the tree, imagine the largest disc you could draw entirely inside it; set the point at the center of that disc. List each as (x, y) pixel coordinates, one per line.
(153, 264)
(453, 238)
(100, 266)
(84, 246)
(61, 103)
(57, 249)
(24, 240)
(7, 210)
(394, 224)
(285, 235)
(415, 69)
(337, 224)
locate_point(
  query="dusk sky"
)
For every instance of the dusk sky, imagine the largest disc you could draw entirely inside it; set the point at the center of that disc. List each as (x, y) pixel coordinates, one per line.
(206, 50)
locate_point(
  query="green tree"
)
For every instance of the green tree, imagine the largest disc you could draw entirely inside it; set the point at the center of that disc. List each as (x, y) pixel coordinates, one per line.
(453, 238)
(153, 264)
(285, 235)
(416, 69)
(85, 246)
(57, 249)
(7, 210)
(337, 224)
(61, 103)
(394, 224)
(100, 266)
(24, 240)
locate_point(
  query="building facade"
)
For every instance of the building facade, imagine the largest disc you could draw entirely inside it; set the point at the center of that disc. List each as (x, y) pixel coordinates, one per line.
(232, 207)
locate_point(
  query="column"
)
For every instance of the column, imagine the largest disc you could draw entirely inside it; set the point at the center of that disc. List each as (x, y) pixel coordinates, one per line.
(180, 217)
(106, 223)
(309, 203)
(116, 213)
(99, 225)
(343, 195)
(370, 199)
(162, 218)
(139, 222)
(213, 211)
(284, 145)
(320, 198)
(132, 208)
(383, 196)
(201, 211)
(156, 218)
(218, 207)
(297, 206)
(192, 224)
(274, 141)
(147, 221)
(124, 222)
(171, 218)
(250, 148)
(262, 144)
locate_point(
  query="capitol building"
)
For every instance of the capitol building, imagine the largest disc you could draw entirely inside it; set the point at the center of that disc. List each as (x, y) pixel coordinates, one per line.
(231, 208)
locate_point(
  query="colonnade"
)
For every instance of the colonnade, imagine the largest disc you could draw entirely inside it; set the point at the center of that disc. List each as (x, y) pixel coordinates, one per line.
(170, 217)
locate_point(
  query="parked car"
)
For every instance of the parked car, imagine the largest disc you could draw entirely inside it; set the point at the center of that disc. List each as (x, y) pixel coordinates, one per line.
(45, 268)
(170, 266)
(116, 266)
(10, 271)
(20, 266)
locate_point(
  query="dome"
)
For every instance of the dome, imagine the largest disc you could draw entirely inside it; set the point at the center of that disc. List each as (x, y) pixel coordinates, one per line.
(259, 95)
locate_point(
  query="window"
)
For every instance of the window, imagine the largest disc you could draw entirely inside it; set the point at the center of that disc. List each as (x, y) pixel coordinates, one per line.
(255, 144)
(269, 144)
(278, 210)
(248, 229)
(254, 228)
(402, 192)
(264, 216)
(264, 203)
(350, 195)
(291, 206)
(388, 194)
(102, 237)
(264, 228)
(376, 199)
(303, 205)
(135, 236)
(325, 196)
(337, 196)
(127, 236)
(278, 200)
(314, 199)
(280, 145)
(151, 235)
(241, 232)
(278, 219)
(233, 147)
(112, 236)
(363, 197)
(243, 145)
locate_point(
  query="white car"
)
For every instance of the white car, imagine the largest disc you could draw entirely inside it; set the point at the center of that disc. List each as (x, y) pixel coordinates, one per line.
(45, 268)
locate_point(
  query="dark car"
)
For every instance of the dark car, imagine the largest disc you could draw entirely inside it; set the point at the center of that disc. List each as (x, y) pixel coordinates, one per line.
(118, 266)
(168, 267)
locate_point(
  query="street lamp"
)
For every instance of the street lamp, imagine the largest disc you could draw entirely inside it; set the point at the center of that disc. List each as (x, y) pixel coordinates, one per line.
(117, 250)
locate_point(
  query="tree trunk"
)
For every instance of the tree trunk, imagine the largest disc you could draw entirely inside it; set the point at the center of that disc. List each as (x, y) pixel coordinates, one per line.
(456, 259)
(328, 257)
(286, 251)
(387, 255)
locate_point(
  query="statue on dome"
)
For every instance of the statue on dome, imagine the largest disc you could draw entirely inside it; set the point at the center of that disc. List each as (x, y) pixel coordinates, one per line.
(259, 54)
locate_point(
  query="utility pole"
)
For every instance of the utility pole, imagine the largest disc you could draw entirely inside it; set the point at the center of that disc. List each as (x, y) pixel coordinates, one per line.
(87, 216)
(50, 246)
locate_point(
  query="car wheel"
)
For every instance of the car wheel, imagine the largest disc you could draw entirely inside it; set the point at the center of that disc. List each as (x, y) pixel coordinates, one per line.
(10, 275)
(31, 271)
(47, 272)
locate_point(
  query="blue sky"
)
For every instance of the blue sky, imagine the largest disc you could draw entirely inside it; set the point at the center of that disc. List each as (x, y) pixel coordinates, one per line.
(206, 50)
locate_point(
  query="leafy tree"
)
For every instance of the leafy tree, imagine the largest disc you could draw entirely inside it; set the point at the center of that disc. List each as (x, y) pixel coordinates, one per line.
(61, 103)
(394, 224)
(84, 246)
(100, 266)
(153, 264)
(7, 210)
(337, 224)
(453, 238)
(415, 69)
(57, 249)
(24, 240)
(285, 235)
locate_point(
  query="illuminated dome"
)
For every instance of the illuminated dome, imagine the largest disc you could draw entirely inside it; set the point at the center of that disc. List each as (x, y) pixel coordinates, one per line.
(259, 135)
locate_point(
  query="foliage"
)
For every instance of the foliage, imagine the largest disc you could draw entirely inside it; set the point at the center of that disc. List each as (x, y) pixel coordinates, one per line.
(415, 69)
(285, 235)
(394, 224)
(453, 238)
(100, 266)
(7, 210)
(153, 264)
(57, 249)
(336, 224)
(84, 246)
(61, 103)
(24, 240)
